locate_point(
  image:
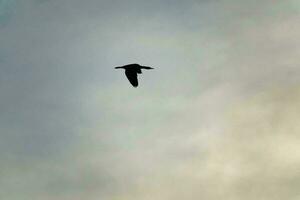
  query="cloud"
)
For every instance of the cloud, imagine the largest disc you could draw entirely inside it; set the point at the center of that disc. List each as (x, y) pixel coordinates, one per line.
(256, 157)
(6, 10)
(208, 122)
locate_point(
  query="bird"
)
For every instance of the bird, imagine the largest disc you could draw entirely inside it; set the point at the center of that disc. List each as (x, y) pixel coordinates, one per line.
(131, 71)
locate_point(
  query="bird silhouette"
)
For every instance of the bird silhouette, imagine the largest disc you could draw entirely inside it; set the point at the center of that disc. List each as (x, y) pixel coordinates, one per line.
(131, 72)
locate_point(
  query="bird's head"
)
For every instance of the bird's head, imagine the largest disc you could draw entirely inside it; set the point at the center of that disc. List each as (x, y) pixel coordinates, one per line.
(121, 67)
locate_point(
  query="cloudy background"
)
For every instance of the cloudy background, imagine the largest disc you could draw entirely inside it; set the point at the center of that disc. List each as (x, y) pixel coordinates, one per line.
(218, 118)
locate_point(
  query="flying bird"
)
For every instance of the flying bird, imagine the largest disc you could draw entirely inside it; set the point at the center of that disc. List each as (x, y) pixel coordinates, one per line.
(131, 72)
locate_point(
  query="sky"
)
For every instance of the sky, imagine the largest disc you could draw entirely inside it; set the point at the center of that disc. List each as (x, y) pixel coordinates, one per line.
(216, 119)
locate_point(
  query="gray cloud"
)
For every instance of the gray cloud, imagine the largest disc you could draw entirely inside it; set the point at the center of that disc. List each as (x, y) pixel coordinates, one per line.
(6, 10)
(65, 129)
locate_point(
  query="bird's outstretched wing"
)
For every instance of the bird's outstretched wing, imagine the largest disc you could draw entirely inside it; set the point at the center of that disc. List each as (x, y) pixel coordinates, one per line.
(132, 77)
(146, 67)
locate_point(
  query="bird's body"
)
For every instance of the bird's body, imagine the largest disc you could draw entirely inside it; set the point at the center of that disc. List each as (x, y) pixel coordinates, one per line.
(131, 72)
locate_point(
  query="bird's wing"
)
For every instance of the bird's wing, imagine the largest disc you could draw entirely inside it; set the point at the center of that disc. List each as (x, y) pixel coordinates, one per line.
(146, 67)
(132, 77)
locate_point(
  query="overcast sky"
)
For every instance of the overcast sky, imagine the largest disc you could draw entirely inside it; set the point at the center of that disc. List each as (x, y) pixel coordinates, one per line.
(218, 118)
